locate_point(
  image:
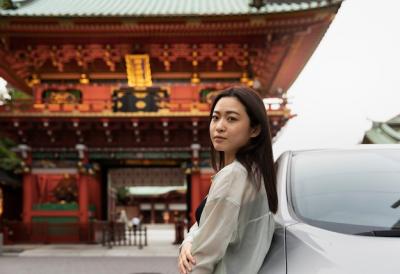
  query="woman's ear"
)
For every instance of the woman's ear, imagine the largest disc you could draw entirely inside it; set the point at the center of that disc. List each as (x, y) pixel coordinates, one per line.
(255, 131)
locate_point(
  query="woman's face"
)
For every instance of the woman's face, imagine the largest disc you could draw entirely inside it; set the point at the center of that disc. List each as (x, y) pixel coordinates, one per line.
(230, 127)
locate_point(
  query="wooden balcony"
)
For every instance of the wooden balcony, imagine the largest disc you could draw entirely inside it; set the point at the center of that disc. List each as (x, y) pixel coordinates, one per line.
(96, 107)
(28, 106)
(105, 107)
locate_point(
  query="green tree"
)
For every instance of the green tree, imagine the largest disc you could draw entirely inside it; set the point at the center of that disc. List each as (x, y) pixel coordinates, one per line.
(10, 94)
(17, 94)
(6, 4)
(9, 161)
(122, 195)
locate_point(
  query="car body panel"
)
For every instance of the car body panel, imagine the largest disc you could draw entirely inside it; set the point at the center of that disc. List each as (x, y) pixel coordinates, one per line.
(275, 261)
(315, 250)
(299, 248)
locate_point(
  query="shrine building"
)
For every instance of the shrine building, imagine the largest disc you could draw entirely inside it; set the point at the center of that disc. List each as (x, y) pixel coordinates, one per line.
(384, 132)
(121, 91)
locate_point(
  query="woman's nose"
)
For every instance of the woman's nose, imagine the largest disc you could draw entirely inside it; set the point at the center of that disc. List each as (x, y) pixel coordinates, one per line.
(220, 125)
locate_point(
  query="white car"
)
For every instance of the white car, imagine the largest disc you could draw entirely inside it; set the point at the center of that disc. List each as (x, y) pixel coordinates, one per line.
(339, 212)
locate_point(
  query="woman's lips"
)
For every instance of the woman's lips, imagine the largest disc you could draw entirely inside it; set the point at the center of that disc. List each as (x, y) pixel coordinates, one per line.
(219, 139)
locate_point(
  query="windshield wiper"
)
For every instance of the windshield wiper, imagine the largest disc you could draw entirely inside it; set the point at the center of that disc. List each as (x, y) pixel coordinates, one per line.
(396, 204)
(381, 233)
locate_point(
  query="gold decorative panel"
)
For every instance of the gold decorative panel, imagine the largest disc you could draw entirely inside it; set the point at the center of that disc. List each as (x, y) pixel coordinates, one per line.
(138, 70)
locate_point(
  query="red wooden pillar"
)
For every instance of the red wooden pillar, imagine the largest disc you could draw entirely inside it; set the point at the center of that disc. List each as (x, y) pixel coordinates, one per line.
(168, 211)
(27, 183)
(83, 200)
(205, 184)
(27, 198)
(38, 94)
(196, 182)
(152, 213)
(196, 194)
(96, 194)
(83, 195)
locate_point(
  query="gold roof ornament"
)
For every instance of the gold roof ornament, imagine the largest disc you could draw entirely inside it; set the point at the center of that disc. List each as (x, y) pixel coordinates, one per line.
(138, 70)
(245, 78)
(195, 78)
(84, 79)
(35, 80)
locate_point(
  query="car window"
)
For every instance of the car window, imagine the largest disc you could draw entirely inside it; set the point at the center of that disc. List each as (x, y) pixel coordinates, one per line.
(347, 191)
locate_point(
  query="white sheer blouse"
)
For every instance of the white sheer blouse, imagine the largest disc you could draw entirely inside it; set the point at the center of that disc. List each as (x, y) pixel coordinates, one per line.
(236, 225)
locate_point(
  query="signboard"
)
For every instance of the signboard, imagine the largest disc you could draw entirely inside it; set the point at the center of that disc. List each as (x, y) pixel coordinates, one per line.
(138, 70)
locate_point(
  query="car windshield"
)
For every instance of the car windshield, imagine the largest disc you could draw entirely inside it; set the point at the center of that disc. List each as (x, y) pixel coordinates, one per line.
(351, 192)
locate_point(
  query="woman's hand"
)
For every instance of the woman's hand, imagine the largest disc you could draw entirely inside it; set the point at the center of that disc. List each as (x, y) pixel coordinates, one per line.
(186, 260)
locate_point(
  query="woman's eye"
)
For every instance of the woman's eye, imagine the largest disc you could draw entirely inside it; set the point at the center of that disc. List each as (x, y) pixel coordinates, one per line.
(231, 119)
(214, 117)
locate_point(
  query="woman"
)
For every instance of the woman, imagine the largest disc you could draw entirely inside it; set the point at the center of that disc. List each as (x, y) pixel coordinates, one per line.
(234, 225)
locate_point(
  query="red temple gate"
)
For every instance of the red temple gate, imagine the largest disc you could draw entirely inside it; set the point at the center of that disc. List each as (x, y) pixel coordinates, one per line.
(132, 89)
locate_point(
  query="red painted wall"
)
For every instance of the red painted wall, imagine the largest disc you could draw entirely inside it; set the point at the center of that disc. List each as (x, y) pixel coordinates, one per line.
(96, 93)
(44, 184)
(184, 94)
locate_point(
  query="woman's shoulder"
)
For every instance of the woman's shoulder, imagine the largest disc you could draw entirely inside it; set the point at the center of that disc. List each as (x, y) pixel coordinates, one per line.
(227, 180)
(233, 169)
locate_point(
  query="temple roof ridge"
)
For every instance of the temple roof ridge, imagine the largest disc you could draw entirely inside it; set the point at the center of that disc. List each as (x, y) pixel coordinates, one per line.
(151, 8)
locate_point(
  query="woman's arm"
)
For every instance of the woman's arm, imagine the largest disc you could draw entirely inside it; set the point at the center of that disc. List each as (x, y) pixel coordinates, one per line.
(192, 231)
(219, 220)
(185, 259)
(218, 226)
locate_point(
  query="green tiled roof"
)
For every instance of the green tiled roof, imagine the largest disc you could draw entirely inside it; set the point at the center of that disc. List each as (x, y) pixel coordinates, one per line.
(395, 121)
(385, 133)
(143, 8)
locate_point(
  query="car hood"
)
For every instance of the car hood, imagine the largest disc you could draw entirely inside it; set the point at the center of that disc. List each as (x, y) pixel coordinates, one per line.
(314, 250)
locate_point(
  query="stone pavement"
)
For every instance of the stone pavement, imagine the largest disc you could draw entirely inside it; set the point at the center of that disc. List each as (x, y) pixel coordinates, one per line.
(160, 239)
(88, 265)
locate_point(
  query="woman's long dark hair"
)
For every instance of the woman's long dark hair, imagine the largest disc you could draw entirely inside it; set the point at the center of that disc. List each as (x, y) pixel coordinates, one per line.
(256, 156)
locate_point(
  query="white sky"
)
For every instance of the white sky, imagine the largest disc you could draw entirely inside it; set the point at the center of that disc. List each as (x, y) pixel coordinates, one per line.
(351, 79)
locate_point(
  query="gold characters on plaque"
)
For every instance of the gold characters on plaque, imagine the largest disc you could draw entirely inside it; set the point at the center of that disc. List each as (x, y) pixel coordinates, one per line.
(138, 70)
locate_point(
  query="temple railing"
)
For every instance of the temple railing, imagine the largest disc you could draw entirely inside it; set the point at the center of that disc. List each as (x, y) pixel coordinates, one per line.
(118, 234)
(105, 106)
(108, 234)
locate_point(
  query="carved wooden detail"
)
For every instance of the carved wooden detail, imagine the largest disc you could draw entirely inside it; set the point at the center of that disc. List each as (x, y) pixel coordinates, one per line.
(34, 60)
(64, 58)
(266, 61)
(116, 133)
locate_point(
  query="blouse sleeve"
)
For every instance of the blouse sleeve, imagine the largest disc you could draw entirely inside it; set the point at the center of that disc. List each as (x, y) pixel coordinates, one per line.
(218, 226)
(189, 237)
